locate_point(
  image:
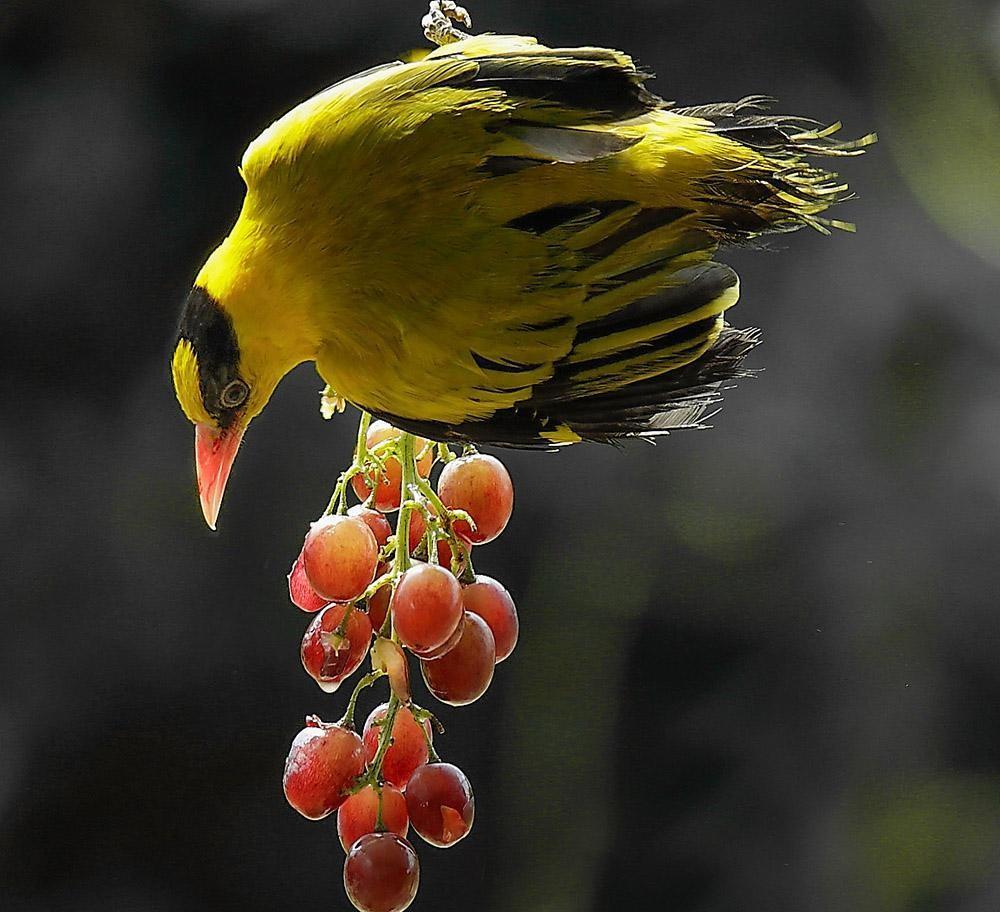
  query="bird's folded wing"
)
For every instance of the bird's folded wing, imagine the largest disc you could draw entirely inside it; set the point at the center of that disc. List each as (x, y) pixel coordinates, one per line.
(524, 223)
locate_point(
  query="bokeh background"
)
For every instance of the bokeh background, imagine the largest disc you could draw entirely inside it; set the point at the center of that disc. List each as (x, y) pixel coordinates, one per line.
(759, 664)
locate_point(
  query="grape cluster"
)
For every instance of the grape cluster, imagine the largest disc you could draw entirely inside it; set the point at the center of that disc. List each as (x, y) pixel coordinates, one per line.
(388, 592)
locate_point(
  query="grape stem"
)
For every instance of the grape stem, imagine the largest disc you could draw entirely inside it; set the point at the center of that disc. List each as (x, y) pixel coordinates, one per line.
(407, 459)
(338, 501)
(422, 715)
(347, 721)
(374, 775)
(447, 519)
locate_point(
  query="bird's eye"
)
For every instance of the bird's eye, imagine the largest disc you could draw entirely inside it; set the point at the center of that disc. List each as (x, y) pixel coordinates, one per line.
(234, 394)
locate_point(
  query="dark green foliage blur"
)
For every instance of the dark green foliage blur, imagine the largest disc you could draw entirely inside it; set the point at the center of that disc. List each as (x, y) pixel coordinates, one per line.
(759, 667)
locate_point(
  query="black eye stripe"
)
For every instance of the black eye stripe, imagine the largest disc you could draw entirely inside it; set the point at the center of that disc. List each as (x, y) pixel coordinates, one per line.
(210, 331)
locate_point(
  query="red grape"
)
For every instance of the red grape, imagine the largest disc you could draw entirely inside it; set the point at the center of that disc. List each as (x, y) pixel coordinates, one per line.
(375, 521)
(418, 526)
(426, 607)
(323, 761)
(387, 497)
(480, 485)
(378, 607)
(340, 555)
(487, 598)
(381, 873)
(462, 675)
(358, 815)
(440, 803)
(324, 658)
(301, 592)
(408, 749)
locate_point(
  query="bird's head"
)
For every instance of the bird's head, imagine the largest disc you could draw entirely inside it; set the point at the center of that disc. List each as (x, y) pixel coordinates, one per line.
(221, 385)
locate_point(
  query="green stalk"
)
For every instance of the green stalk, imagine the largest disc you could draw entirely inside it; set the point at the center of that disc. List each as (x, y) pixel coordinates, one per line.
(445, 517)
(348, 718)
(338, 501)
(407, 460)
(384, 739)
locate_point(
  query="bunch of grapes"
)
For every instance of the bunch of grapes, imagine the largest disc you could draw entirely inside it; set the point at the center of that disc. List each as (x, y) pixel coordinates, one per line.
(385, 592)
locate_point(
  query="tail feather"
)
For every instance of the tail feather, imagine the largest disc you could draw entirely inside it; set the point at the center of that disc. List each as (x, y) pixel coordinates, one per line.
(782, 190)
(675, 399)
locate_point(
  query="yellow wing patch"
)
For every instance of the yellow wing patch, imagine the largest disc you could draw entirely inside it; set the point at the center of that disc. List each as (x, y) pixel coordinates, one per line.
(561, 435)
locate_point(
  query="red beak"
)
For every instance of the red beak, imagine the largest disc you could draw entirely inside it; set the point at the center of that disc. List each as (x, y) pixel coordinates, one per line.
(214, 452)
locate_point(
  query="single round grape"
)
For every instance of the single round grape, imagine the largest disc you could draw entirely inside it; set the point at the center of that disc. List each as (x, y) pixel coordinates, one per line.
(440, 804)
(408, 749)
(358, 815)
(463, 674)
(329, 660)
(340, 555)
(426, 607)
(375, 521)
(492, 602)
(301, 592)
(381, 873)
(480, 485)
(323, 762)
(387, 495)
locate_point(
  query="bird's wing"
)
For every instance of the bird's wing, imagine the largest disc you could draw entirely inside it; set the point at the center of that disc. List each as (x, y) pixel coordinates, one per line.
(516, 226)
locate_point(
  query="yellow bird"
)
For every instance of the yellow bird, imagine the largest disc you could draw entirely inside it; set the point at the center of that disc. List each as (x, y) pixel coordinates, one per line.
(502, 242)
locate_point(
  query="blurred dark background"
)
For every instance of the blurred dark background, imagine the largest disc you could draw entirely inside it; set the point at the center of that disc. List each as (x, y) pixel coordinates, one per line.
(758, 668)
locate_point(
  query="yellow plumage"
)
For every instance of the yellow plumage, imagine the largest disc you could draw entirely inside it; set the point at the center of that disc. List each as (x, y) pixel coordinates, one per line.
(501, 242)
